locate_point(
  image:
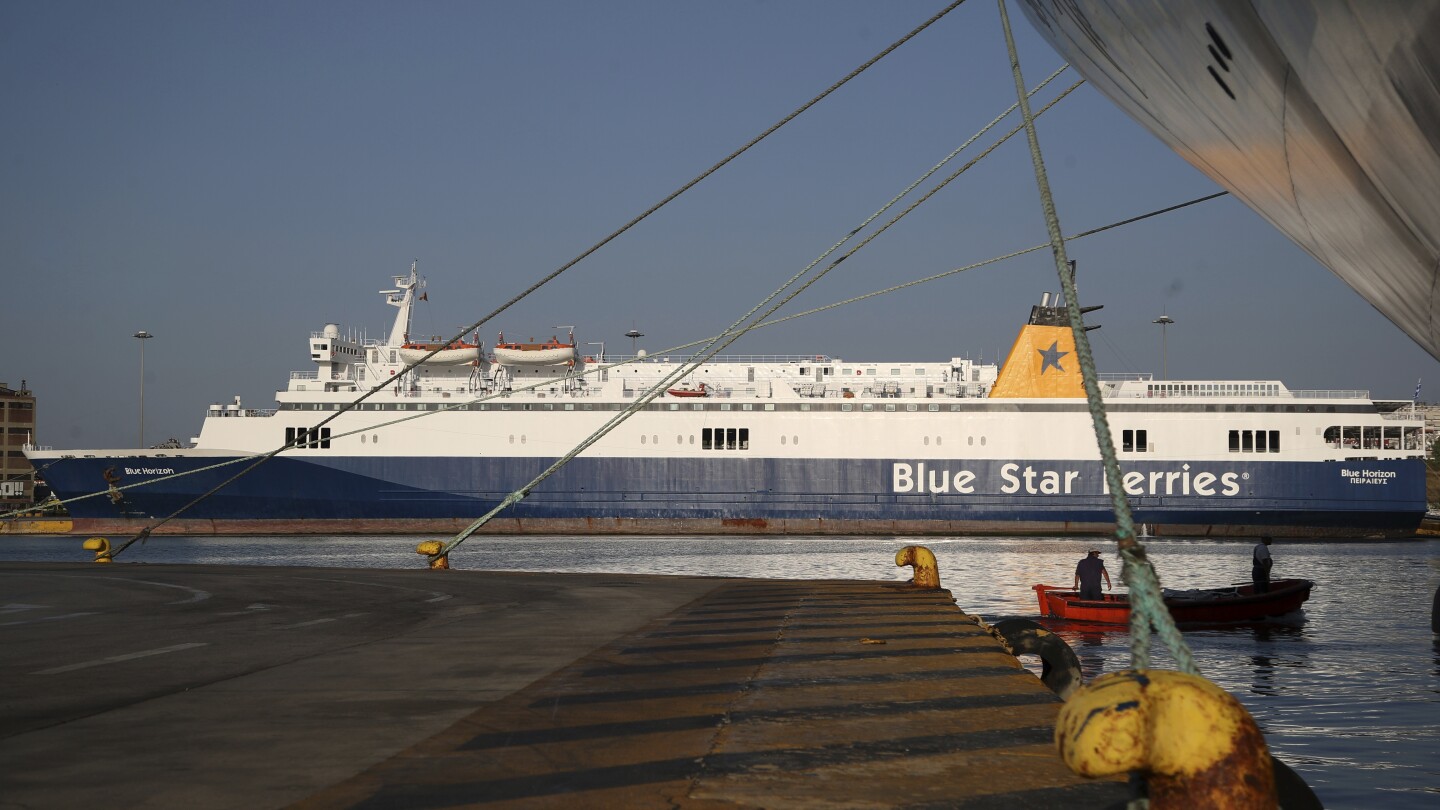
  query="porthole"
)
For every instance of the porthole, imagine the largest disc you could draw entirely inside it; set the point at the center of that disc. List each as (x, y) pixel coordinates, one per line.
(362, 438)
(794, 439)
(655, 438)
(512, 438)
(374, 439)
(982, 441)
(642, 438)
(782, 441)
(970, 440)
(927, 440)
(522, 438)
(937, 440)
(692, 438)
(679, 439)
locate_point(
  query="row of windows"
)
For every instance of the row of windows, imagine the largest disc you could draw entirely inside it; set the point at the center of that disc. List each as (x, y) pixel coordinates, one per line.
(1212, 390)
(1374, 437)
(308, 437)
(725, 439)
(971, 405)
(1134, 441)
(1254, 441)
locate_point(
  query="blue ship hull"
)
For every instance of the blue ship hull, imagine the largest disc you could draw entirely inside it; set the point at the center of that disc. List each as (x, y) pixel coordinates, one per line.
(287, 495)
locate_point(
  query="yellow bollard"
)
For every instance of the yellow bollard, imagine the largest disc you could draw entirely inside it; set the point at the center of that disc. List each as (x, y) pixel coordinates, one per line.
(1194, 742)
(101, 547)
(927, 571)
(431, 548)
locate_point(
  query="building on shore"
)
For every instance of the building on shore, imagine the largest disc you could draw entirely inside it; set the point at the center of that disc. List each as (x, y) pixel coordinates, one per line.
(17, 429)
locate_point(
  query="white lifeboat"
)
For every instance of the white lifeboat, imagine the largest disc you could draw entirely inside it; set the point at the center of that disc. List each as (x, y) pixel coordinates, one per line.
(551, 353)
(451, 354)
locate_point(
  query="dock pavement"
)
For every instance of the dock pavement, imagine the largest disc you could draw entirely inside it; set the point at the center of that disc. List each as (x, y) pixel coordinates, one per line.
(164, 686)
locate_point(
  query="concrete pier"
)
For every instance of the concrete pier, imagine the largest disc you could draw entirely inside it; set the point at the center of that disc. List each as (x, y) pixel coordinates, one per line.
(165, 686)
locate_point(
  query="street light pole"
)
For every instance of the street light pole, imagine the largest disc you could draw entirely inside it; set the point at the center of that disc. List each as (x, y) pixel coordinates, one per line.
(143, 336)
(1164, 321)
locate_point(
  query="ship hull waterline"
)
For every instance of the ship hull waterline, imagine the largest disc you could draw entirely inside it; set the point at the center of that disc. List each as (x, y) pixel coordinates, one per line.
(346, 496)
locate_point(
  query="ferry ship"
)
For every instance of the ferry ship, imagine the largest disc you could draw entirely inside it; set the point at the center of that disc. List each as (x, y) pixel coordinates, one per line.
(798, 445)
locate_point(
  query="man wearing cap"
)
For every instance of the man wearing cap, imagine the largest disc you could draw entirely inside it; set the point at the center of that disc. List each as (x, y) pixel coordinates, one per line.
(1088, 573)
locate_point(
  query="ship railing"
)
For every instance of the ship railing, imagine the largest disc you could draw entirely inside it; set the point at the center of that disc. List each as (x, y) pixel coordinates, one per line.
(724, 358)
(1403, 416)
(28, 447)
(1331, 394)
(226, 411)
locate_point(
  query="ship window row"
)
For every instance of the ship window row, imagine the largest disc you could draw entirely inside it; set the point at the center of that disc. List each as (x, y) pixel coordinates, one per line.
(1254, 441)
(307, 437)
(725, 439)
(1374, 437)
(1212, 390)
(1135, 441)
(974, 405)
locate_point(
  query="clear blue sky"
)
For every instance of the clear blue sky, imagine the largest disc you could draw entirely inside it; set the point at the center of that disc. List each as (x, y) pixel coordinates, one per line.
(232, 176)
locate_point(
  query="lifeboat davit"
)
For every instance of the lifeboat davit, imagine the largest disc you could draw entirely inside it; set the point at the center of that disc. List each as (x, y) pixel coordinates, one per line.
(687, 391)
(450, 354)
(550, 353)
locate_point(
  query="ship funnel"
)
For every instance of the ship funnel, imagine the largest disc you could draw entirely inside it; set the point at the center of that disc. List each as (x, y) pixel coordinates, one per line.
(1043, 361)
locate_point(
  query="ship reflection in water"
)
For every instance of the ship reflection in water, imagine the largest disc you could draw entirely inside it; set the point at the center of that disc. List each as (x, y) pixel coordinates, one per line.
(1347, 691)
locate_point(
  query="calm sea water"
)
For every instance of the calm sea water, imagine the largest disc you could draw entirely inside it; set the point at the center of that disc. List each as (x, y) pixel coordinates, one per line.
(1347, 692)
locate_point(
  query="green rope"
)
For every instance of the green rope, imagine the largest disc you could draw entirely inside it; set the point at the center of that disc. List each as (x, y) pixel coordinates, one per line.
(555, 273)
(1147, 607)
(670, 350)
(738, 329)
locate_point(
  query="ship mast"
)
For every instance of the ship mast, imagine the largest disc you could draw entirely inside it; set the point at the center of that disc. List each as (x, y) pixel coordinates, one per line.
(403, 297)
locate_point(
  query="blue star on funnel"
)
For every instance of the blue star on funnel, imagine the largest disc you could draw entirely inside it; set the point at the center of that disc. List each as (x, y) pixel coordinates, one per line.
(1051, 357)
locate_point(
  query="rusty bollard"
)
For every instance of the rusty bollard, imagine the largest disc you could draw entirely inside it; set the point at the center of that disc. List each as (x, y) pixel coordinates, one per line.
(431, 549)
(101, 547)
(927, 571)
(1195, 743)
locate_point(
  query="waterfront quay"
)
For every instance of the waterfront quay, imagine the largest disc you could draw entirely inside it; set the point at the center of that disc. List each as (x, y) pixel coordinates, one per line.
(219, 686)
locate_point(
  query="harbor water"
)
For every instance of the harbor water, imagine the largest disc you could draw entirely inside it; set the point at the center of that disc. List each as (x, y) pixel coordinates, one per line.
(1347, 691)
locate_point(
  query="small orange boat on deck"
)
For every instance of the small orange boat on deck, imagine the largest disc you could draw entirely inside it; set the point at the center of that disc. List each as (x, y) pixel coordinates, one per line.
(687, 391)
(1237, 603)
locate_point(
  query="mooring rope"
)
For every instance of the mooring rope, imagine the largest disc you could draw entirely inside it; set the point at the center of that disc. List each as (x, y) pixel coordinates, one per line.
(1147, 606)
(584, 254)
(737, 329)
(671, 350)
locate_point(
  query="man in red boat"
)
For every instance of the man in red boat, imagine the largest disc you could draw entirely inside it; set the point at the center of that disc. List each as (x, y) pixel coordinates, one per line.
(1087, 576)
(1260, 566)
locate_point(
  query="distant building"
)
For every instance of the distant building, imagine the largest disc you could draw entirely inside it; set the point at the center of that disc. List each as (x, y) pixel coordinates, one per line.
(17, 427)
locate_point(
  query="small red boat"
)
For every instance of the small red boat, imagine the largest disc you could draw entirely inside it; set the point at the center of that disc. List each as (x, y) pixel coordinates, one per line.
(686, 391)
(1237, 603)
